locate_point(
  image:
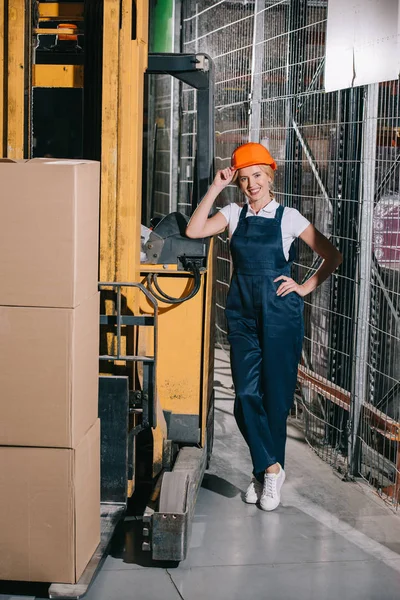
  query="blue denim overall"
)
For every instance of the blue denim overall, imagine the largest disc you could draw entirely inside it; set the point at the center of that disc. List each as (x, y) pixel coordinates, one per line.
(265, 332)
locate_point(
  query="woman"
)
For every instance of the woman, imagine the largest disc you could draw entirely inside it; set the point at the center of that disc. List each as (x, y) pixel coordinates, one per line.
(264, 308)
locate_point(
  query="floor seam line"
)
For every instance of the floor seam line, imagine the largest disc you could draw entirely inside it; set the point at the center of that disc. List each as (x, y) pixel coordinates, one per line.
(284, 564)
(174, 584)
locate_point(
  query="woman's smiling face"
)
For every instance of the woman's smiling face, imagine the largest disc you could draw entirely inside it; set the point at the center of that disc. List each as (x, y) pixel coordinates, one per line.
(255, 183)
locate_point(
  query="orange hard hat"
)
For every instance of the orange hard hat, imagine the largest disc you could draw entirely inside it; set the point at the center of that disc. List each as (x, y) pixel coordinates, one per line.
(252, 154)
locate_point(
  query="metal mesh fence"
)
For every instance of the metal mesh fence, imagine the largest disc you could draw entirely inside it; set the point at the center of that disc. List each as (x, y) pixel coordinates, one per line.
(338, 160)
(224, 30)
(376, 397)
(159, 147)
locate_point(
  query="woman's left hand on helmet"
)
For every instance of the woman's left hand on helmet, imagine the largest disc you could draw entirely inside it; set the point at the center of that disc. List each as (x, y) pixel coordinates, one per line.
(288, 285)
(223, 178)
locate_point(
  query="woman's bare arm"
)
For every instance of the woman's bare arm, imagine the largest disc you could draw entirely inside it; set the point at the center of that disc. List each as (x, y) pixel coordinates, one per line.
(200, 225)
(332, 259)
(326, 250)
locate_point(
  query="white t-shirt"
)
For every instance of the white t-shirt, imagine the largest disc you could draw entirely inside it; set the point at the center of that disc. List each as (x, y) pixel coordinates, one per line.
(293, 223)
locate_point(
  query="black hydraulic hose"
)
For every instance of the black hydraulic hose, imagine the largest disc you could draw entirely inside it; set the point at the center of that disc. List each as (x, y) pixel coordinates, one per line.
(163, 297)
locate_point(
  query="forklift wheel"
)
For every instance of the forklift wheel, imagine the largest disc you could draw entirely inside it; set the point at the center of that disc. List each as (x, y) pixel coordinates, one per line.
(173, 492)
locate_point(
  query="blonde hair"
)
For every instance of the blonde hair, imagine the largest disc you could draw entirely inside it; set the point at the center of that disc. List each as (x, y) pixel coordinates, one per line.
(267, 169)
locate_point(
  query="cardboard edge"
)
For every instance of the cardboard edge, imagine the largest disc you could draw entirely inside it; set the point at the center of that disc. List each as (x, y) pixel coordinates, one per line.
(70, 369)
(84, 176)
(90, 445)
(75, 299)
(72, 509)
(77, 397)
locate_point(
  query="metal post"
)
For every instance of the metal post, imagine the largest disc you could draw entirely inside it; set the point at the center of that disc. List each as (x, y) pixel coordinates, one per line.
(364, 272)
(295, 86)
(256, 88)
(196, 70)
(345, 232)
(175, 113)
(17, 83)
(3, 79)
(205, 134)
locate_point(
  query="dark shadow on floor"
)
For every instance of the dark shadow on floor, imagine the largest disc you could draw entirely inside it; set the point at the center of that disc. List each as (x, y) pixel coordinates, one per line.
(220, 486)
(223, 359)
(220, 388)
(127, 546)
(20, 588)
(298, 438)
(227, 412)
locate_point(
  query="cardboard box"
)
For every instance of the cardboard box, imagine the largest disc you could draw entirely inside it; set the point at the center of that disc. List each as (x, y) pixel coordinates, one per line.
(49, 224)
(49, 510)
(49, 369)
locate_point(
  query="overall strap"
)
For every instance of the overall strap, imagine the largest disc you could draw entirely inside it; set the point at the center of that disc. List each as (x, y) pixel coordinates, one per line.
(279, 213)
(243, 212)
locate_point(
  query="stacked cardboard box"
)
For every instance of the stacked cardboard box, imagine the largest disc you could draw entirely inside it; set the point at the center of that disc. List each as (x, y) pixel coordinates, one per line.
(49, 323)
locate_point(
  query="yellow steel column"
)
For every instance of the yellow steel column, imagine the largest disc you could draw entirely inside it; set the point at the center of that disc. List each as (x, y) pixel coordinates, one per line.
(124, 63)
(122, 134)
(3, 34)
(133, 62)
(139, 53)
(16, 79)
(109, 147)
(208, 341)
(126, 202)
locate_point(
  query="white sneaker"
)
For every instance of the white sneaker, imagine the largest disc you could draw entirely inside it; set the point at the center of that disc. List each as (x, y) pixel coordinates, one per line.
(271, 493)
(253, 492)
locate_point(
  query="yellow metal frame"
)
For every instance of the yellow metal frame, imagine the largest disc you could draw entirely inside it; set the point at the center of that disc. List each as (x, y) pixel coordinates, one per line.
(184, 375)
(180, 344)
(16, 79)
(208, 342)
(65, 32)
(109, 131)
(57, 76)
(3, 151)
(121, 163)
(52, 11)
(126, 202)
(124, 63)
(185, 371)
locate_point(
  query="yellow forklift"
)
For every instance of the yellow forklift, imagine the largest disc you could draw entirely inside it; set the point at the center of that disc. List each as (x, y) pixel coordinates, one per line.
(72, 86)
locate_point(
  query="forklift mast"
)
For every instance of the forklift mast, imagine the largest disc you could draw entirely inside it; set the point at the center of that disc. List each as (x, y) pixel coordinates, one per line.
(72, 86)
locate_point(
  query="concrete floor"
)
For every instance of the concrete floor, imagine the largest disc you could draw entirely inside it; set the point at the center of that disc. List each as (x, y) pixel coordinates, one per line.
(328, 539)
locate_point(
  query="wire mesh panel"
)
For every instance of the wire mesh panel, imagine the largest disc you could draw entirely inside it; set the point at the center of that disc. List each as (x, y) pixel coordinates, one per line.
(159, 132)
(338, 164)
(187, 148)
(377, 436)
(224, 30)
(322, 163)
